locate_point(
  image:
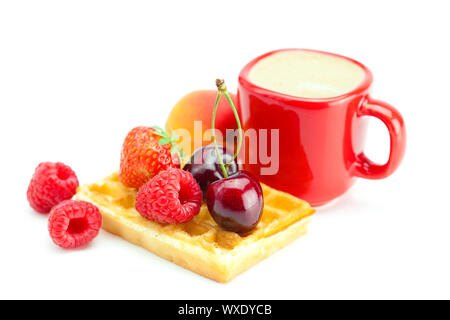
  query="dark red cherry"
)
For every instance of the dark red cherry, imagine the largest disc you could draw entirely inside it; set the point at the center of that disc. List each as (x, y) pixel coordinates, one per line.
(205, 166)
(236, 203)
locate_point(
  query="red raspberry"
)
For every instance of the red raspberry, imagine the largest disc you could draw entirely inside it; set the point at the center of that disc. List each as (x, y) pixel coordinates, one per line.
(172, 196)
(51, 184)
(73, 224)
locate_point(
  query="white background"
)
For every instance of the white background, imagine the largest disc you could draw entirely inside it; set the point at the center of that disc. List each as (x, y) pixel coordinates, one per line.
(76, 76)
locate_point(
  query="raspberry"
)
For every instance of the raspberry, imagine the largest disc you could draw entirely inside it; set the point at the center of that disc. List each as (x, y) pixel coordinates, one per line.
(172, 196)
(51, 184)
(73, 224)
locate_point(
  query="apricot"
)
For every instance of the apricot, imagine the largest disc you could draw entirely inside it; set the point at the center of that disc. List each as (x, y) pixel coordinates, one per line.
(191, 117)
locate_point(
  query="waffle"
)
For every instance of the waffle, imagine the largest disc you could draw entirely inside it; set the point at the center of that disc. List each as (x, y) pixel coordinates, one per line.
(200, 245)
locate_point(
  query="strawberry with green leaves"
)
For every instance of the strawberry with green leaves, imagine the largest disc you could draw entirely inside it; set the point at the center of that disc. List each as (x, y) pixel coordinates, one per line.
(145, 152)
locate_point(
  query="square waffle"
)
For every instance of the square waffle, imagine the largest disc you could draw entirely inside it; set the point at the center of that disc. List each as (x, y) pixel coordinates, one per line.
(200, 245)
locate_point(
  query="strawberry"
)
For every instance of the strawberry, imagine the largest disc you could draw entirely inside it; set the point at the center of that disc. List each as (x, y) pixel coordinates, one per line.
(145, 152)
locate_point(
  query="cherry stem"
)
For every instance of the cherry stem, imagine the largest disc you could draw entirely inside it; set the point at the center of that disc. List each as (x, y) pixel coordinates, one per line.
(222, 89)
(216, 147)
(238, 121)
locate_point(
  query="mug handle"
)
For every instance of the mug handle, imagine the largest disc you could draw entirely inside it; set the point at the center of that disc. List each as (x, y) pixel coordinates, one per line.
(364, 167)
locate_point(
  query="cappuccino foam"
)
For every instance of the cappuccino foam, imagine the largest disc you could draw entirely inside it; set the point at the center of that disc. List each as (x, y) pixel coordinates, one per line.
(306, 74)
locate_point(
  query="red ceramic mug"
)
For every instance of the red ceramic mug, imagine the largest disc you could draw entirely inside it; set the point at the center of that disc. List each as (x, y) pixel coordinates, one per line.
(320, 139)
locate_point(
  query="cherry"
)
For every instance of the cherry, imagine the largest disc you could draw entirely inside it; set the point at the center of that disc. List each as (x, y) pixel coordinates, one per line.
(236, 203)
(205, 166)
